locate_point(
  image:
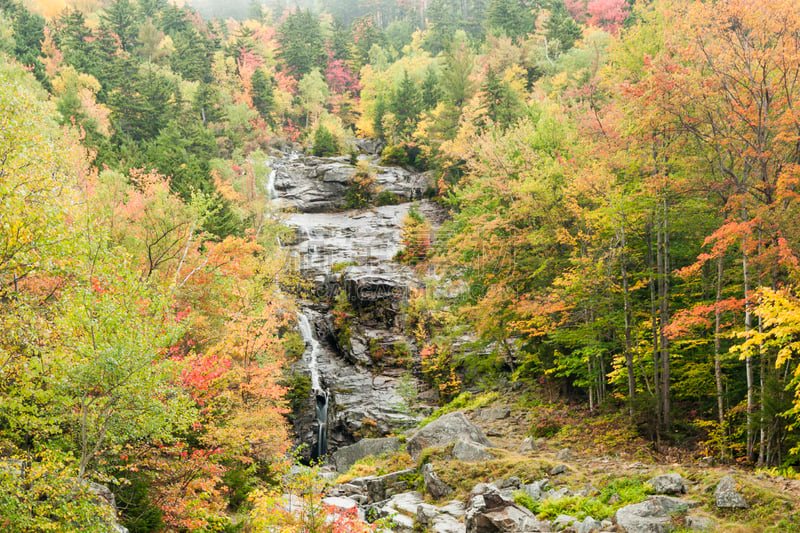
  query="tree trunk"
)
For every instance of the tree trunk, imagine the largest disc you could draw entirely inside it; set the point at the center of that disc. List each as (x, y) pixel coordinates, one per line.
(748, 325)
(654, 327)
(663, 267)
(717, 350)
(627, 311)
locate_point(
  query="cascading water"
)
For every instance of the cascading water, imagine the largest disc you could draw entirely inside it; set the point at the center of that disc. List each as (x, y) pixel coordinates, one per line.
(320, 395)
(271, 184)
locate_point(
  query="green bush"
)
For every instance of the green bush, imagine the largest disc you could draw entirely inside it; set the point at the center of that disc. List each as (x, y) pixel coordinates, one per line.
(325, 143)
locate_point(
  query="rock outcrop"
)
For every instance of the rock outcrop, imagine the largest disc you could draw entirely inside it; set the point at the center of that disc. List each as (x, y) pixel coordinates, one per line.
(727, 495)
(653, 515)
(445, 430)
(345, 457)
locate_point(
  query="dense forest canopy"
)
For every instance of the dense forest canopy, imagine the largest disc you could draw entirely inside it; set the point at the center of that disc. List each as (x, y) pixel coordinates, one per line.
(622, 178)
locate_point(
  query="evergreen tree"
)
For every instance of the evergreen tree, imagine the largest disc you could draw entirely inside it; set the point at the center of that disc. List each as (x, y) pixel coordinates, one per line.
(119, 17)
(500, 104)
(263, 94)
(300, 37)
(406, 106)
(431, 92)
(514, 18)
(561, 27)
(324, 142)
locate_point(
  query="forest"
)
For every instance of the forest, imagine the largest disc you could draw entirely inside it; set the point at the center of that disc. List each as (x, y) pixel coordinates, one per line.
(622, 183)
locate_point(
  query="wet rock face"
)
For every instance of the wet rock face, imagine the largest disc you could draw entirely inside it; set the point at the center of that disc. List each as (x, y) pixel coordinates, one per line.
(349, 253)
(316, 184)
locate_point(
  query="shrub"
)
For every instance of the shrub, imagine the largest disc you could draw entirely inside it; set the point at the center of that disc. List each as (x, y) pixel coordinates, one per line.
(362, 187)
(325, 143)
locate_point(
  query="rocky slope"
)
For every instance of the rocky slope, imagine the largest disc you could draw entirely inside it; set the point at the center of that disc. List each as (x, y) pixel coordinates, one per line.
(464, 482)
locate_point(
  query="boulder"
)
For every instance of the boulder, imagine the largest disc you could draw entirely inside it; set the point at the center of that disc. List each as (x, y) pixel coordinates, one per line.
(535, 489)
(653, 515)
(528, 445)
(378, 488)
(437, 488)
(668, 484)
(470, 452)
(446, 524)
(558, 469)
(727, 496)
(490, 414)
(588, 525)
(405, 503)
(565, 455)
(699, 523)
(345, 457)
(443, 431)
(563, 521)
(490, 510)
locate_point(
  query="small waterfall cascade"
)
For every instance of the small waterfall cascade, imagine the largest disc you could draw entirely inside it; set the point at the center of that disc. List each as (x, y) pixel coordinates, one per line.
(271, 184)
(319, 394)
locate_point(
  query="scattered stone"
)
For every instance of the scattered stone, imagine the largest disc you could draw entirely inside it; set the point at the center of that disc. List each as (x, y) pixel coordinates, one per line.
(446, 524)
(556, 494)
(565, 455)
(405, 503)
(535, 489)
(588, 525)
(699, 523)
(589, 490)
(454, 508)
(469, 452)
(727, 495)
(490, 414)
(443, 431)
(563, 521)
(426, 513)
(528, 445)
(653, 515)
(379, 488)
(437, 488)
(512, 482)
(668, 484)
(339, 502)
(559, 469)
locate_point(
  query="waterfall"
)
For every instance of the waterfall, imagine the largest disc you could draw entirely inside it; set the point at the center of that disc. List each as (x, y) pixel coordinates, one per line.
(320, 395)
(271, 184)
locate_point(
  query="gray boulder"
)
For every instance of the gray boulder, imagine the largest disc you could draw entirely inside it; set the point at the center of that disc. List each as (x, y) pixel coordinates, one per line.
(727, 496)
(563, 521)
(490, 414)
(470, 452)
(379, 488)
(443, 431)
(345, 457)
(653, 515)
(528, 445)
(668, 484)
(437, 488)
(588, 525)
(565, 455)
(699, 523)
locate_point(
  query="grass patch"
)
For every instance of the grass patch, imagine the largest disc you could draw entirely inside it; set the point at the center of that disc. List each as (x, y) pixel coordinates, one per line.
(464, 401)
(464, 476)
(379, 465)
(338, 267)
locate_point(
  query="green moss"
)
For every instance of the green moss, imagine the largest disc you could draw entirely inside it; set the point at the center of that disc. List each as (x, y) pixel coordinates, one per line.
(338, 267)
